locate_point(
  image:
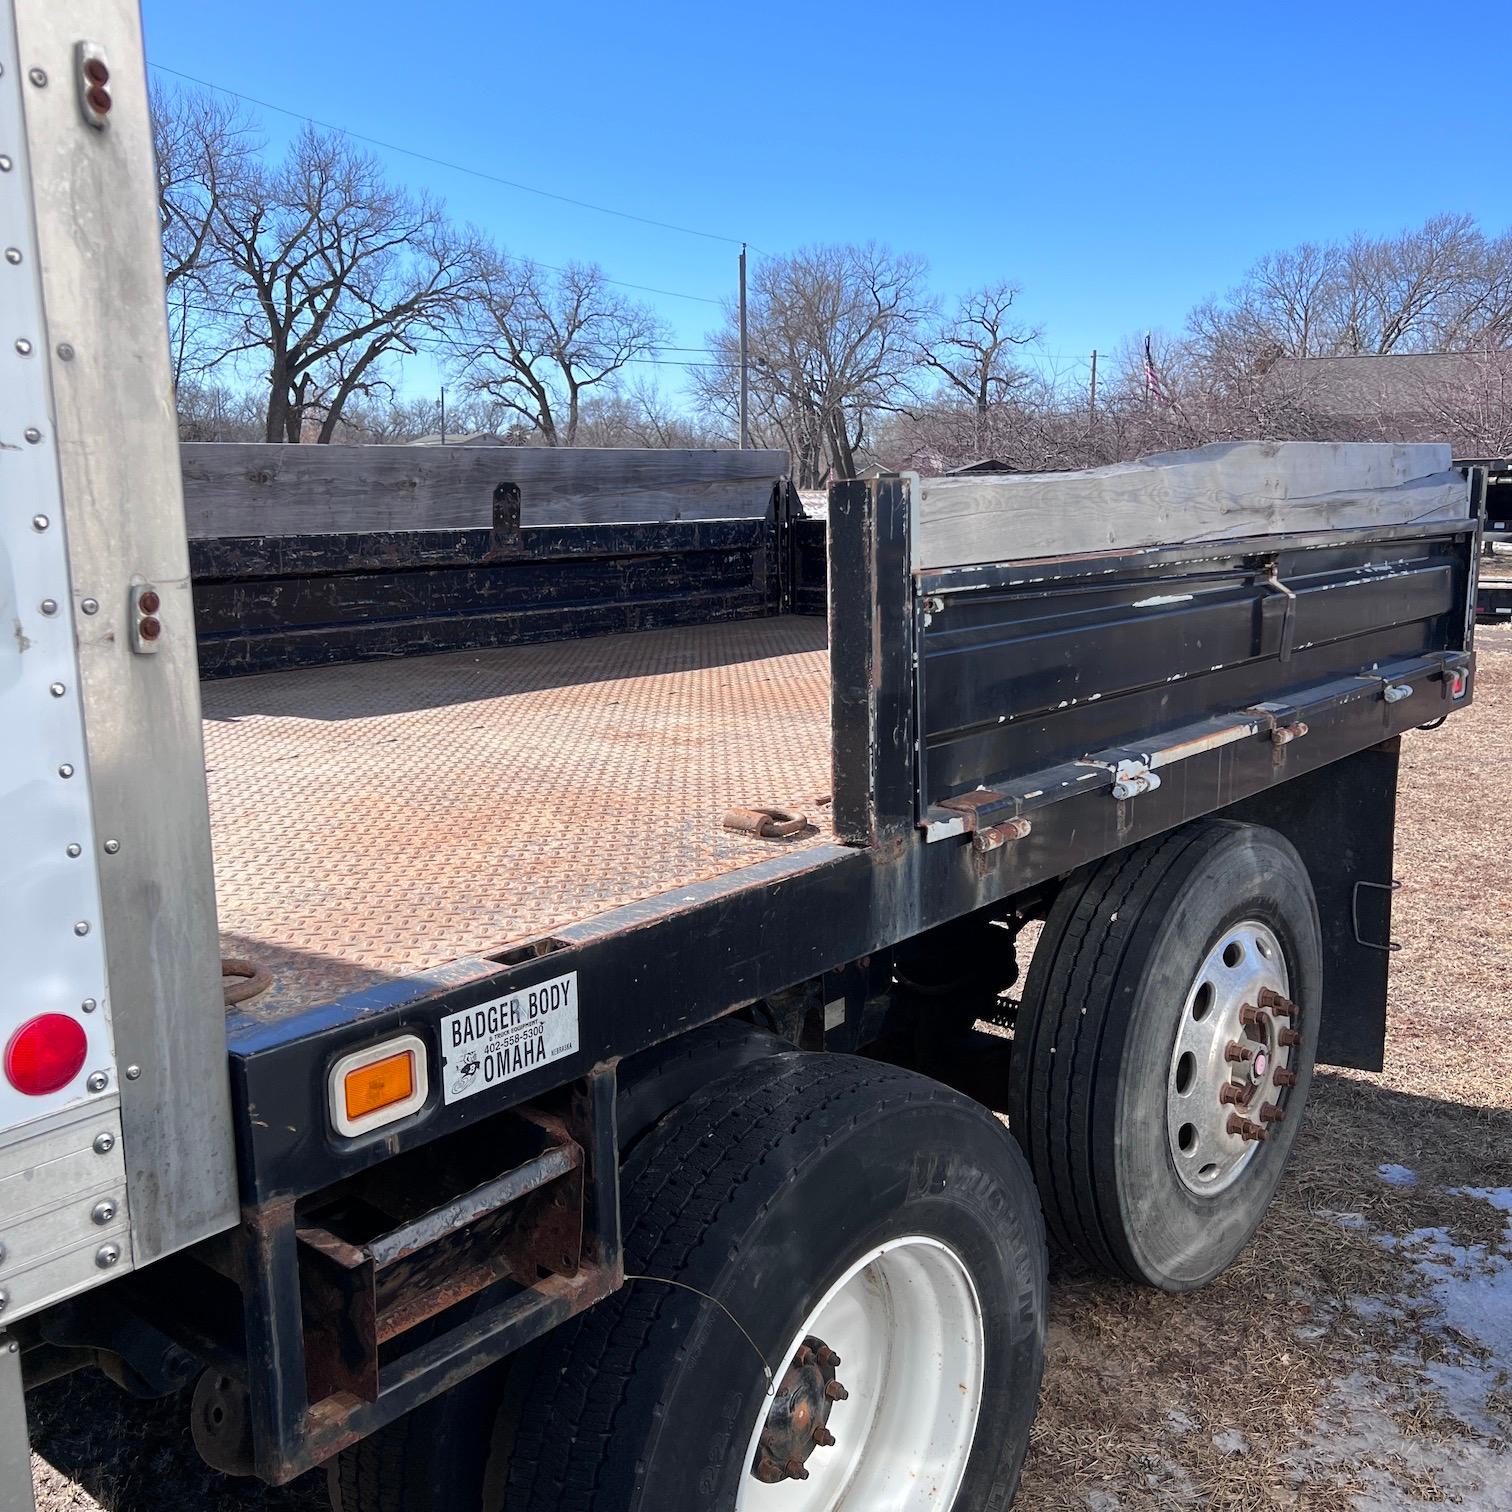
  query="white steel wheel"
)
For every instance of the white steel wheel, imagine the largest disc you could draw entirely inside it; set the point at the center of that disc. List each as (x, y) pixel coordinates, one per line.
(1232, 1058)
(877, 1395)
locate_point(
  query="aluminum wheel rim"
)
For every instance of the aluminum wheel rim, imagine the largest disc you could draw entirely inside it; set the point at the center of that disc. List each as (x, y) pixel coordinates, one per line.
(1229, 1065)
(906, 1324)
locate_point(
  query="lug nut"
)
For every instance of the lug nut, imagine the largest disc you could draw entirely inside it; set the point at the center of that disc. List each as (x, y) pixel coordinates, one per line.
(1229, 1093)
(823, 1437)
(804, 1355)
(1273, 1000)
(828, 1357)
(1234, 1051)
(1245, 1129)
(1251, 1017)
(1272, 1113)
(1289, 1037)
(1285, 1078)
(836, 1392)
(796, 1469)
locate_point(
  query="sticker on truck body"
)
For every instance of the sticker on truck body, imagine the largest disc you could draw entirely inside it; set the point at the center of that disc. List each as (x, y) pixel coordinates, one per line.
(508, 1036)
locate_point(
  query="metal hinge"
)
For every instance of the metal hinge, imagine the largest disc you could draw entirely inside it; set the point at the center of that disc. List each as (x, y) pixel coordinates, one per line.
(1131, 778)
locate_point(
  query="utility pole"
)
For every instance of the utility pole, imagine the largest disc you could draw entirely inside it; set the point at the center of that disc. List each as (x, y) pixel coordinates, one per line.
(443, 416)
(745, 370)
(1092, 395)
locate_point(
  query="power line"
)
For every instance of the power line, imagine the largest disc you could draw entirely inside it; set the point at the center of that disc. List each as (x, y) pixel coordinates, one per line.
(436, 162)
(424, 335)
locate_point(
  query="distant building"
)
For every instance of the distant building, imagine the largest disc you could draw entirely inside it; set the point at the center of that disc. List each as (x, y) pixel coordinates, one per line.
(1410, 395)
(986, 465)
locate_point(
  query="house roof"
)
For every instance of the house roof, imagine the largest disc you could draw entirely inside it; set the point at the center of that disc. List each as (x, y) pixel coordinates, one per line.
(1369, 387)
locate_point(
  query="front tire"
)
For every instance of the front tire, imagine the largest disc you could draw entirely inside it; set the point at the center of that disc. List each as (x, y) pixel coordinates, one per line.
(1164, 1049)
(866, 1215)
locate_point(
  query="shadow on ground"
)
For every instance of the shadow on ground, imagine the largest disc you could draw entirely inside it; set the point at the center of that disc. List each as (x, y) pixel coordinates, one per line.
(1166, 1399)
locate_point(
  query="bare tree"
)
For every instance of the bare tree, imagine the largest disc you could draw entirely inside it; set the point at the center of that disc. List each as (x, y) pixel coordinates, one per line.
(833, 344)
(1472, 408)
(538, 342)
(639, 415)
(335, 270)
(203, 145)
(970, 351)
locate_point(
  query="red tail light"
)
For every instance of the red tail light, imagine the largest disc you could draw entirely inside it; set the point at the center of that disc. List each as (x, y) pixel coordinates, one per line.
(45, 1053)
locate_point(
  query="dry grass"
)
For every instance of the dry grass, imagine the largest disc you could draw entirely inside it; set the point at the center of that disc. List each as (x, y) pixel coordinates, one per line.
(1303, 1377)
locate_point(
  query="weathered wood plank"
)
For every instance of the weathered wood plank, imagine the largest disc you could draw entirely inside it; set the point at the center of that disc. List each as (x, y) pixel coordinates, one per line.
(254, 489)
(1213, 493)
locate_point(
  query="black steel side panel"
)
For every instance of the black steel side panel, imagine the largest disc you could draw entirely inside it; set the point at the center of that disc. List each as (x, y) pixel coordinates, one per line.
(267, 603)
(1021, 675)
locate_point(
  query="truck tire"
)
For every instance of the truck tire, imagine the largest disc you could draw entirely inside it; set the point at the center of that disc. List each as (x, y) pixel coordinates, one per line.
(448, 1455)
(863, 1228)
(1164, 1049)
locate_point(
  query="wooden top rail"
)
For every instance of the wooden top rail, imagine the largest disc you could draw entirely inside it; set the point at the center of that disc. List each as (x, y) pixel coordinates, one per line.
(1218, 492)
(238, 489)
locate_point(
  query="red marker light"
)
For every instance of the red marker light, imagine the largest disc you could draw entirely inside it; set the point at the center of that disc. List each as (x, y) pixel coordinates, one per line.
(45, 1053)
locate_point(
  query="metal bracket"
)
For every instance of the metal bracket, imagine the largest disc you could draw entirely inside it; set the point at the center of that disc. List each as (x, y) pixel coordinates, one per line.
(1354, 914)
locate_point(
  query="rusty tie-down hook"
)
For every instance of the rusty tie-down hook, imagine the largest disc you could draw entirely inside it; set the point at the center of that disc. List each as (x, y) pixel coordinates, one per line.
(766, 823)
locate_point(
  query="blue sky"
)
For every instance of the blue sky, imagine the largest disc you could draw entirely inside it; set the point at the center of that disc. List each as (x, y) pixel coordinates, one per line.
(1120, 161)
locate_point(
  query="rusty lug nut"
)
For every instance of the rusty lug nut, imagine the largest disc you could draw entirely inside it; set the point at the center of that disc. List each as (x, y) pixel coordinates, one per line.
(823, 1437)
(1285, 1078)
(804, 1355)
(767, 1470)
(150, 628)
(1251, 1017)
(836, 1392)
(1229, 1093)
(796, 1469)
(1270, 998)
(1289, 1037)
(828, 1357)
(1245, 1129)
(1234, 1051)
(1272, 1113)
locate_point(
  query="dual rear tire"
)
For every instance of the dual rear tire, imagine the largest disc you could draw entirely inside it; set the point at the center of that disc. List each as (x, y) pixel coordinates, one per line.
(874, 1239)
(870, 1236)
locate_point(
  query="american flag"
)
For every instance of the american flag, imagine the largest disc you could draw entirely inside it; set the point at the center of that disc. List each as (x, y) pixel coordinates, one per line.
(1153, 385)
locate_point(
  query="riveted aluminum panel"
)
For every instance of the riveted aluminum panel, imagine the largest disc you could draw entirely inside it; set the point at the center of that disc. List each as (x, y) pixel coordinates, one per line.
(51, 940)
(95, 205)
(63, 1214)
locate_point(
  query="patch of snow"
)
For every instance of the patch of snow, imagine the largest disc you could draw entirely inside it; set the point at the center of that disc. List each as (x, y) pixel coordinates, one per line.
(1397, 1175)
(1231, 1441)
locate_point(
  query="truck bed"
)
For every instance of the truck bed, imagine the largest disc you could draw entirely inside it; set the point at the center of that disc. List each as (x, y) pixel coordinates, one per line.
(377, 820)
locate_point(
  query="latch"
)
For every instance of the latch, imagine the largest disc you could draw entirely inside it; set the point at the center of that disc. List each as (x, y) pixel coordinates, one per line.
(1288, 614)
(1131, 778)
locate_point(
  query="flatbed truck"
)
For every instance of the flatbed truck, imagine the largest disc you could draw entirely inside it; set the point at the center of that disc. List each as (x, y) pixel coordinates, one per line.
(507, 1000)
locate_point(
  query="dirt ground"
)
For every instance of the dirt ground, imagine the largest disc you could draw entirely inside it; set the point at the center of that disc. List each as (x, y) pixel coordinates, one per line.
(1359, 1356)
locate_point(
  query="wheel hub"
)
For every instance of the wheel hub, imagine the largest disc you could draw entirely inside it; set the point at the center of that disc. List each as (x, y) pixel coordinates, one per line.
(908, 1320)
(797, 1422)
(1232, 1061)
